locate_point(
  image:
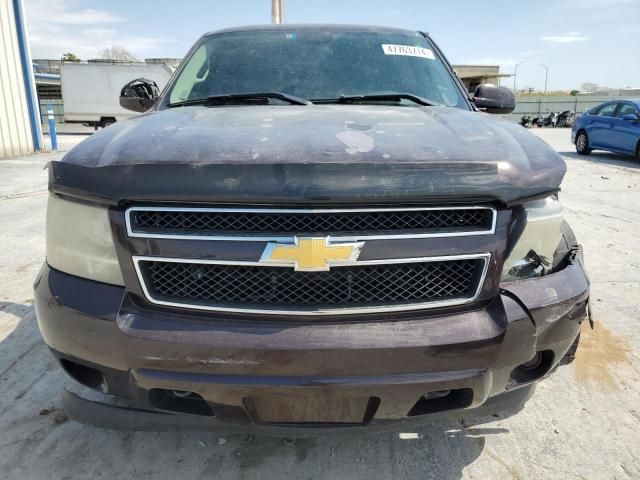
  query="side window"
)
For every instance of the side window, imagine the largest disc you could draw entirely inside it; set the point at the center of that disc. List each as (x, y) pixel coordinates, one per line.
(607, 110)
(595, 110)
(626, 109)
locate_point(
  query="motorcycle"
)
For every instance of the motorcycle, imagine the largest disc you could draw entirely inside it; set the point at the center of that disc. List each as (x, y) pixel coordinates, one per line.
(548, 120)
(566, 119)
(526, 121)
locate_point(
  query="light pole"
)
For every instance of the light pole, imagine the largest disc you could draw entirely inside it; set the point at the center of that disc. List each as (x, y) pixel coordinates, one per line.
(546, 75)
(277, 11)
(515, 74)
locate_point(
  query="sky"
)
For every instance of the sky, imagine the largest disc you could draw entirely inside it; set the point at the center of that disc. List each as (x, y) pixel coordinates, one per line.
(579, 40)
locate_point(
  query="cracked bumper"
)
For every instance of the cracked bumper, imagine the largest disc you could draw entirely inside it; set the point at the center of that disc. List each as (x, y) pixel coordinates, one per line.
(274, 375)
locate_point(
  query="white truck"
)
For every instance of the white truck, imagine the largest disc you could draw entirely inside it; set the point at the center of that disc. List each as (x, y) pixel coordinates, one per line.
(91, 91)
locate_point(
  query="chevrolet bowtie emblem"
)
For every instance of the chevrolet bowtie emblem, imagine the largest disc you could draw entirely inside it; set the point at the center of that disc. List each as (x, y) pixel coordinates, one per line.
(311, 254)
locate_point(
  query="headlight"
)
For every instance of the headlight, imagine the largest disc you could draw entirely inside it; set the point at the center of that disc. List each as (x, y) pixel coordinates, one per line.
(79, 241)
(533, 253)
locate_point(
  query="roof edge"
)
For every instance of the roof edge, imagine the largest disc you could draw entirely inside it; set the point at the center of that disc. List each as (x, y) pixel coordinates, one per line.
(311, 26)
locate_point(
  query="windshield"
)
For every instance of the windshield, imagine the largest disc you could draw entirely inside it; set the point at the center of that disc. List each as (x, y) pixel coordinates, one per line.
(316, 65)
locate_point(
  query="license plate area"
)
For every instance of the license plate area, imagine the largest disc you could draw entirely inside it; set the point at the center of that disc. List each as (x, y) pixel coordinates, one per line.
(323, 408)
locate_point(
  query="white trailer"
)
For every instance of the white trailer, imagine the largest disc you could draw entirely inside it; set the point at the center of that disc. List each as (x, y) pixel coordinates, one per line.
(91, 91)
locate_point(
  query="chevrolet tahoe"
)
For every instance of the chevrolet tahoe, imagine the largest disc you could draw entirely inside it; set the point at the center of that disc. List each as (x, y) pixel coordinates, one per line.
(311, 228)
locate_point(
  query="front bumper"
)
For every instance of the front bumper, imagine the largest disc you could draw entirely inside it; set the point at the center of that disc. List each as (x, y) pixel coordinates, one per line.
(103, 415)
(271, 374)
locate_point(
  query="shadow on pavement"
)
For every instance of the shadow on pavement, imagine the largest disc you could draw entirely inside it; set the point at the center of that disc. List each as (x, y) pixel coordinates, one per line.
(62, 134)
(37, 442)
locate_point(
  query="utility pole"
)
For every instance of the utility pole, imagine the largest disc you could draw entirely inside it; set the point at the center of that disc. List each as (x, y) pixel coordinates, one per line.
(515, 74)
(546, 75)
(277, 11)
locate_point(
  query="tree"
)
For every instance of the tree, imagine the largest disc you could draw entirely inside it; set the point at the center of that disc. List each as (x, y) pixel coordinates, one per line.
(589, 87)
(574, 93)
(70, 57)
(116, 52)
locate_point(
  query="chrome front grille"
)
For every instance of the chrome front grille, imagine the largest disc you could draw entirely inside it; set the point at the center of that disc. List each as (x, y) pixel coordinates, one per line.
(368, 286)
(203, 223)
(204, 275)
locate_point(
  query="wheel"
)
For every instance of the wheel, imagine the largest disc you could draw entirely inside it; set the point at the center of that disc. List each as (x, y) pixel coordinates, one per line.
(582, 144)
(107, 121)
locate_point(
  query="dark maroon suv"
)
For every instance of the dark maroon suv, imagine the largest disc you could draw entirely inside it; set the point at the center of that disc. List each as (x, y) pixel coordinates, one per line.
(311, 227)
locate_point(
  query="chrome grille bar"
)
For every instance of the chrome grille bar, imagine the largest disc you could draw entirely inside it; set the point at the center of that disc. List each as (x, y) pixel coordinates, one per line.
(350, 224)
(151, 296)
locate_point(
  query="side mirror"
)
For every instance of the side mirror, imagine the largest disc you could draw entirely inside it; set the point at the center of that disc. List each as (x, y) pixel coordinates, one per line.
(139, 95)
(631, 117)
(494, 99)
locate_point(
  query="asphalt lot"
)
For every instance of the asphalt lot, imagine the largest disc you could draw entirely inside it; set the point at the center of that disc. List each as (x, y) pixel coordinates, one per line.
(583, 422)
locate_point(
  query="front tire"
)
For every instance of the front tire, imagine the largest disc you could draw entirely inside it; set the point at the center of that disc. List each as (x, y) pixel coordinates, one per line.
(582, 143)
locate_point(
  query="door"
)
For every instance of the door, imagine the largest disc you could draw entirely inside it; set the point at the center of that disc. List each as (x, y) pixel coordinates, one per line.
(625, 133)
(601, 124)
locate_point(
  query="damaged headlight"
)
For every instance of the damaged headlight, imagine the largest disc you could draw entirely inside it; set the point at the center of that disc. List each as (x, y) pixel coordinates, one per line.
(533, 253)
(79, 241)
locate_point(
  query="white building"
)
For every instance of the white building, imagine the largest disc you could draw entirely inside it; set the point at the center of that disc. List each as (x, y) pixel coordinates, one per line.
(20, 130)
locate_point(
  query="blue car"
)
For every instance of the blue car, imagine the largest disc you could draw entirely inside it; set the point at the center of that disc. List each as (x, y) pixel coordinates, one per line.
(612, 126)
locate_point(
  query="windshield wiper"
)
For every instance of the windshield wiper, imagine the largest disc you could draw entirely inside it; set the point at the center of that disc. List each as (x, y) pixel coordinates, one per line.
(379, 97)
(235, 98)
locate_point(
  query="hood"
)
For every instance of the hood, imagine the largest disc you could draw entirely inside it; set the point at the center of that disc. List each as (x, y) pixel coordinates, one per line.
(302, 154)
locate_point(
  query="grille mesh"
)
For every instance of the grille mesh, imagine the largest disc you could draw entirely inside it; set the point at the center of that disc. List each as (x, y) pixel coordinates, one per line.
(212, 223)
(277, 287)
